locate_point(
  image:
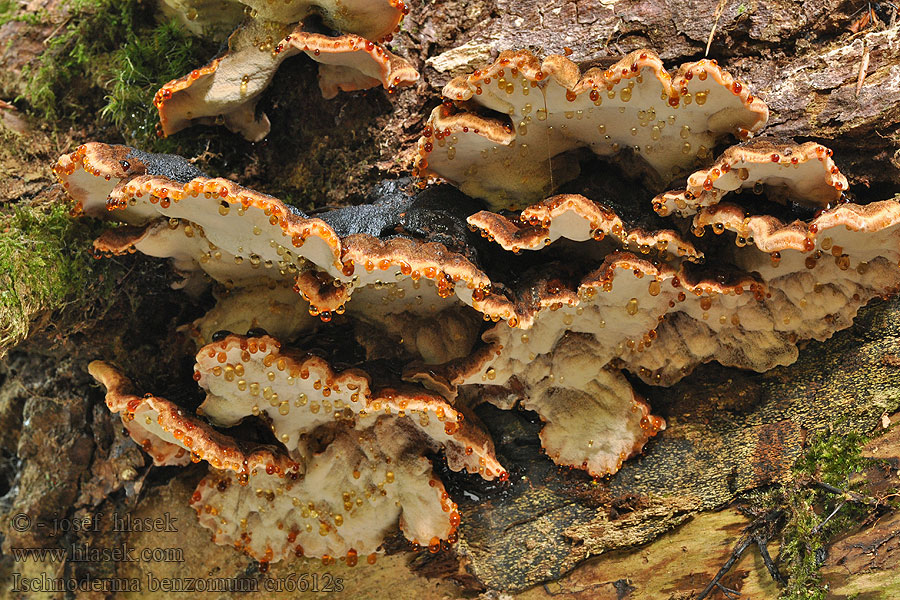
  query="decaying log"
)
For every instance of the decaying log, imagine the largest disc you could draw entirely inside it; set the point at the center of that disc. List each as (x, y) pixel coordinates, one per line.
(647, 532)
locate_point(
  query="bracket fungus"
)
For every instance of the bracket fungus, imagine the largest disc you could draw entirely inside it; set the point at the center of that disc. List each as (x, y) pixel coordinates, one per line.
(610, 287)
(226, 90)
(574, 217)
(540, 110)
(354, 464)
(783, 281)
(789, 173)
(279, 383)
(239, 237)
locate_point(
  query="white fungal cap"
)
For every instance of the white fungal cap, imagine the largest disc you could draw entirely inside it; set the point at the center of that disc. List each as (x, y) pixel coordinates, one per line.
(548, 108)
(226, 90)
(787, 172)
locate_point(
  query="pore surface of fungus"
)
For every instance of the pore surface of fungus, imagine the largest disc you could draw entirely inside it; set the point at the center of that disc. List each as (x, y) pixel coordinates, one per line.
(541, 110)
(354, 467)
(226, 90)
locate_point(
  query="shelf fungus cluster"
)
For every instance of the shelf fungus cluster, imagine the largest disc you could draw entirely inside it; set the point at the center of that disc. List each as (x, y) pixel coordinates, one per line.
(505, 132)
(354, 465)
(422, 304)
(652, 297)
(226, 90)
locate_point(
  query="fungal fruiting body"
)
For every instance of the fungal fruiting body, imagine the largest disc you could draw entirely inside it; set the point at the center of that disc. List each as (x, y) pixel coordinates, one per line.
(652, 313)
(544, 109)
(273, 378)
(598, 291)
(319, 498)
(212, 19)
(577, 218)
(803, 174)
(226, 90)
(240, 237)
(657, 320)
(340, 500)
(240, 309)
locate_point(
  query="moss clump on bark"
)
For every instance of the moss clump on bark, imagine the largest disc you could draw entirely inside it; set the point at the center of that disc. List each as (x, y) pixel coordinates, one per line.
(830, 459)
(822, 501)
(111, 57)
(10, 11)
(65, 78)
(45, 265)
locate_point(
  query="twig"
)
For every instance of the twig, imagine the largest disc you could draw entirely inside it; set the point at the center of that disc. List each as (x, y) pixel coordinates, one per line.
(853, 496)
(760, 531)
(728, 591)
(55, 31)
(761, 543)
(735, 556)
(848, 497)
(816, 529)
(828, 487)
(712, 33)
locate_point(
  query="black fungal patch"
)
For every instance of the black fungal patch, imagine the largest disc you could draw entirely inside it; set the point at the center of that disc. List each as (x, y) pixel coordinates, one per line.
(380, 217)
(172, 166)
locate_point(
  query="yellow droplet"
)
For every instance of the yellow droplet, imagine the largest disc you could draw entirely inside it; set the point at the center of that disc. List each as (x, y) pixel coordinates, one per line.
(632, 307)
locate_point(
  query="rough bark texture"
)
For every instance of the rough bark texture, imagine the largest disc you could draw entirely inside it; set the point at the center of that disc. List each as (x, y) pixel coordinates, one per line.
(639, 534)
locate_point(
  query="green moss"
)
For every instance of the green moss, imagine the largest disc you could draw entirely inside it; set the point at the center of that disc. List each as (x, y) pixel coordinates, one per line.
(831, 458)
(68, 73)
(111, 58)
(140, 67)
(45, 265)
(803, 507)
(10, 11)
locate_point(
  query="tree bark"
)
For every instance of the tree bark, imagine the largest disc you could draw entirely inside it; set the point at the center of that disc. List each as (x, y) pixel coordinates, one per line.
(648, 530)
